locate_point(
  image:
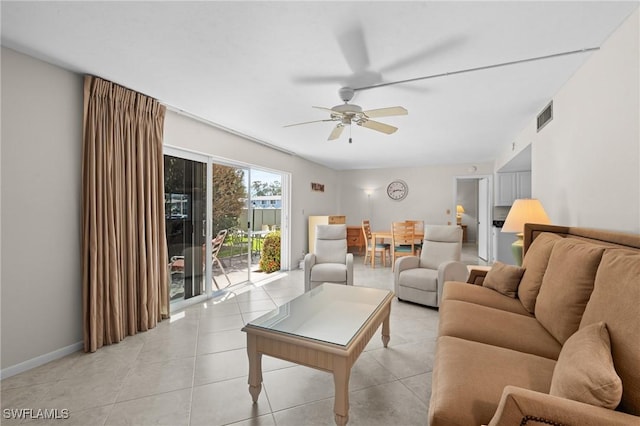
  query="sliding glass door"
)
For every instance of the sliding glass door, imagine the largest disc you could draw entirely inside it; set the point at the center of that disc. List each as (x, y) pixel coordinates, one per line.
(247, 208)
(185, 216)
(230, 203)
(266, 222)
(218, 218)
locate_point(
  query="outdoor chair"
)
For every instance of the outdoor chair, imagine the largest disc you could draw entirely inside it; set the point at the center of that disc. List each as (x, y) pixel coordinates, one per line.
(217, 244)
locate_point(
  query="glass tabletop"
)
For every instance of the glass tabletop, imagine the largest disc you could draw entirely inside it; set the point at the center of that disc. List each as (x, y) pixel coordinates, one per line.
(330, 313)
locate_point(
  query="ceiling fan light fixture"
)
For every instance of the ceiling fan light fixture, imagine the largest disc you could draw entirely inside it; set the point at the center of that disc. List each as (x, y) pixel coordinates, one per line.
(347, 113)
(347, 108)
(346, 93)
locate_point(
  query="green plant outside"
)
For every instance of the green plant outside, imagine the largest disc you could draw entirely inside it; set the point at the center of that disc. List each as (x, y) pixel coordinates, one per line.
(270, 256)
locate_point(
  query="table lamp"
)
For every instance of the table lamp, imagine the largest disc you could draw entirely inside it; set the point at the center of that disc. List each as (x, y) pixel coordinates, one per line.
(459, 211)
(525, 210)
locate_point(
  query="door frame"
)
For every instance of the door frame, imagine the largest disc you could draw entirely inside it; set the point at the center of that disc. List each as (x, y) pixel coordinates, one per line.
(201, 158)
(489, 212)
(209, 160)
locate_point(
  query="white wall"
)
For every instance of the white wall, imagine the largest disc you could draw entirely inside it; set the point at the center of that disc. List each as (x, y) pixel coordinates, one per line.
(431, 193)
(188, 133)
(41, 203)
(41, 222)
(586, 162)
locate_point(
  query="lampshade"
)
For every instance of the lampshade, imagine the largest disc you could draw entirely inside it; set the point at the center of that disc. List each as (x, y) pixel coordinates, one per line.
(459, 209)
(525, 210)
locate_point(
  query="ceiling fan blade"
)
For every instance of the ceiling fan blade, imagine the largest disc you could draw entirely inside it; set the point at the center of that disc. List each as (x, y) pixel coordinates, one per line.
(308, 122)
(386, 112)
(380, 127)
(336, 132)
(354, 48)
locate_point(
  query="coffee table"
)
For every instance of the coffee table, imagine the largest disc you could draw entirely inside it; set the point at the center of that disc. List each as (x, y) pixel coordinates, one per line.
(326, 328)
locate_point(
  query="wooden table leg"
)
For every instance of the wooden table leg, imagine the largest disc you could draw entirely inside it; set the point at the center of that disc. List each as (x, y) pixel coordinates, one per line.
(255, 367)
(386, 330)
(341, 373)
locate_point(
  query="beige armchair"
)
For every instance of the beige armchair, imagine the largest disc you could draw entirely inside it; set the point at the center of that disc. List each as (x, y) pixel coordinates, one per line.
(420, 279)
(330, 263)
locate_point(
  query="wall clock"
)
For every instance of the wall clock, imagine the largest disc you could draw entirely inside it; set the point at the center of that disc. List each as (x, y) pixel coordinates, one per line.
(397, 190)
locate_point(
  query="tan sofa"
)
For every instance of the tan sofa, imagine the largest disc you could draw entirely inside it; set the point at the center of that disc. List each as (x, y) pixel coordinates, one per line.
(496, 355)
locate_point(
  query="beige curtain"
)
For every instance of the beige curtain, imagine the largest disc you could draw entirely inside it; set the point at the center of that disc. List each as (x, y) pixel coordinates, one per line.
(123, 240)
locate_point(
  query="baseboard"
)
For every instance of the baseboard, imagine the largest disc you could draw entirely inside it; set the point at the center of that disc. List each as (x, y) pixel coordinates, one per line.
(40, 360)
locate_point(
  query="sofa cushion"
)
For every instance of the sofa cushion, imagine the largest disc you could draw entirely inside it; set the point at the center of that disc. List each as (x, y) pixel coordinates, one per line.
(468, 379)
(495, 327)
(482, 296)
(584, 371)
(566, 286)
(419, 278)
(504, 279)
(616, 301)
(535, 263)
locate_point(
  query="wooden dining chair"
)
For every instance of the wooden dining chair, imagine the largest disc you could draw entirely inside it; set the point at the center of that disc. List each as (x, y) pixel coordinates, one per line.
(374, 247)
(418, 230)
(403, 241)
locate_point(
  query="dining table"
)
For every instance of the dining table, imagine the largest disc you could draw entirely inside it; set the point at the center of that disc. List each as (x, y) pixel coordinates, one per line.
(384, 235)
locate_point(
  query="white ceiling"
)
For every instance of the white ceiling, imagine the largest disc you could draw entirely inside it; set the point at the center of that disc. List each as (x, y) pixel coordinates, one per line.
(254, 67)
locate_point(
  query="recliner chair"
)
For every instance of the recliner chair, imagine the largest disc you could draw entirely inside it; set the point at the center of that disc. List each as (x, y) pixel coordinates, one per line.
(330, 263)
(420, 279)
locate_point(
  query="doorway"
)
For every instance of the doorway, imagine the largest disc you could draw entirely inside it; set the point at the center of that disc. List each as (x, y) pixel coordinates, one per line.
(235, 208)
(472, 195)
(247, 207)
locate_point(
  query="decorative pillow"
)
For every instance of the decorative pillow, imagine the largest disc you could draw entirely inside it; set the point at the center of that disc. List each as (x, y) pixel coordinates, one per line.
(503, 278)
(566, 286)
(585, 372)
(535, 264)
(616, 300)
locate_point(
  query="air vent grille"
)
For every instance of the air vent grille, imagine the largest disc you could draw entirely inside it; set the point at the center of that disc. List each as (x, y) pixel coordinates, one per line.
(545, 116)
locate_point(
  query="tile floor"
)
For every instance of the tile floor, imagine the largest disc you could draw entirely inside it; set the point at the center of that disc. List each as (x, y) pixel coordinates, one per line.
(192, 370)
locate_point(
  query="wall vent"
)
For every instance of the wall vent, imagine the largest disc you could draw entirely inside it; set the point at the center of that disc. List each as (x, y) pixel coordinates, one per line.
(545, 116)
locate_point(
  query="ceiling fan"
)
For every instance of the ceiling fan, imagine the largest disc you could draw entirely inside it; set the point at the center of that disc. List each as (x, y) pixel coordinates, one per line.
(353, 45)
(347, 113)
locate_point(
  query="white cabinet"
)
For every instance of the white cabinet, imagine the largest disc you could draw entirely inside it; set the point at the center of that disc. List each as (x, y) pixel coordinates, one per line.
(512, 186)
(505, 189)
(523, 185)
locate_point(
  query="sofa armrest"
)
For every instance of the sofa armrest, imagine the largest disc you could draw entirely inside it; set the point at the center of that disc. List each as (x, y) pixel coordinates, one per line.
(476, 275)
(520, 406)
(450, 271)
